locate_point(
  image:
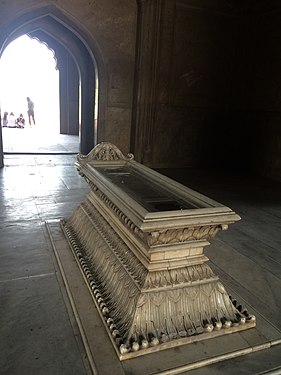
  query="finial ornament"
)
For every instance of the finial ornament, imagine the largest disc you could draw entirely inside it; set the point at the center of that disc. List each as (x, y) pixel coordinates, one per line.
(105, 151)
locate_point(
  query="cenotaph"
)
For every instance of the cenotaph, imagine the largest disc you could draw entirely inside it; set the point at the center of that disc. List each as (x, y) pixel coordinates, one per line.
(139, 240)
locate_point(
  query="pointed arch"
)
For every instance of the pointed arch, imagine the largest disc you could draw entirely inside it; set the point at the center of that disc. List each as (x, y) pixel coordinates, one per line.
(73, 47)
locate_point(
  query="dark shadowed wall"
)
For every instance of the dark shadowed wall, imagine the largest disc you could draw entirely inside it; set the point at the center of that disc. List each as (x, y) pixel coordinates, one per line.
(212, 99)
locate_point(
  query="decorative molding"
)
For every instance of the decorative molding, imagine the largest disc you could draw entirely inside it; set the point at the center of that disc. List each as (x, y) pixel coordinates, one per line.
(40, 40)
(182, 235)
(104, 151)
(182, 277)
(116, 211)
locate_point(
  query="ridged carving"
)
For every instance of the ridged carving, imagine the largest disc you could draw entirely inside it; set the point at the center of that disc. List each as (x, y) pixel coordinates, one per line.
(117, 275)
(182, 235)
(93, 220)
(105, 151)
(172, 314)
(181, 277)
(119, 213)
(144, 309)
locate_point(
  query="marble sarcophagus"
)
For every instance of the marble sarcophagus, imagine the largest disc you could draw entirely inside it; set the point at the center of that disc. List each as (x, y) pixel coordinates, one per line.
(139, 239)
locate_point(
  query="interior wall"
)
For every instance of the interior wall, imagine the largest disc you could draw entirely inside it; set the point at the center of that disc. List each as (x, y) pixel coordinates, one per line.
(264, 91)
(216, 91)
(192, 93)
(197, 94)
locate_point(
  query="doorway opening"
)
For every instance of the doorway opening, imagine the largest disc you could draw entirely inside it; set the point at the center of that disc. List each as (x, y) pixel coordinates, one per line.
(76, 54)
(28, 68)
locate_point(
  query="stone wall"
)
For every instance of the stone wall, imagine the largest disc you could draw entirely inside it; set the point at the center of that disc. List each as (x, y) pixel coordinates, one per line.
(264, 93)
(194, 59)
(215, 97)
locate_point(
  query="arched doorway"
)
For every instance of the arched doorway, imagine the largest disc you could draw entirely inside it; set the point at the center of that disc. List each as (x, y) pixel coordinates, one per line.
(29, 68)
(78, 69)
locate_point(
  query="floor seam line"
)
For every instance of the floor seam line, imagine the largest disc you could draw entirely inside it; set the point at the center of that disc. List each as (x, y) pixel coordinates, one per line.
(28, 277)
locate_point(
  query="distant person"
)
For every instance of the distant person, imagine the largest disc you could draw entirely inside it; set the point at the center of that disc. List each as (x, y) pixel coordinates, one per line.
(30, 110)
(5, 120)
(20, 121)
(11, 120)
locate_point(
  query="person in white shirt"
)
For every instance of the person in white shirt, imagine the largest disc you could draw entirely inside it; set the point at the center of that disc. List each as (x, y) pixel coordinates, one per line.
(11, 120)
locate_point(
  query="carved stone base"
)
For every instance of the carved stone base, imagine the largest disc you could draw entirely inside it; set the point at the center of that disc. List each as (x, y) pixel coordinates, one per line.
(139, 239)
(143, 309)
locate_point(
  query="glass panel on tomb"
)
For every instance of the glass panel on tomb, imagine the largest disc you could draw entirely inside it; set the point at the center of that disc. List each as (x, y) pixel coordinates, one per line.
(147, 193)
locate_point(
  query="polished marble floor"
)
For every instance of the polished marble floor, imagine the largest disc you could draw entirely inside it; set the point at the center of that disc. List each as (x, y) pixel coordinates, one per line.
(39, 334)
(35, 325)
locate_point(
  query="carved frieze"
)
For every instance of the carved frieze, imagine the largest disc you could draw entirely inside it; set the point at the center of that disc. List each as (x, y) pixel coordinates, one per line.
(182, 235)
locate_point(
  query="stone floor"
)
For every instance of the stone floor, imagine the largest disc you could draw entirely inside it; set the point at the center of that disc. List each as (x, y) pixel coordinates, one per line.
(35, 325)
(38, 330)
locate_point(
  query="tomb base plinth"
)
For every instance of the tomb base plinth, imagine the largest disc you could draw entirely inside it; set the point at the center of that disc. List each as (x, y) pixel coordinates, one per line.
(139, 240)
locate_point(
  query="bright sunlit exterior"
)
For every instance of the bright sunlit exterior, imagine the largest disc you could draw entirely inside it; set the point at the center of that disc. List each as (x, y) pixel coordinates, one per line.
(28, 69)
